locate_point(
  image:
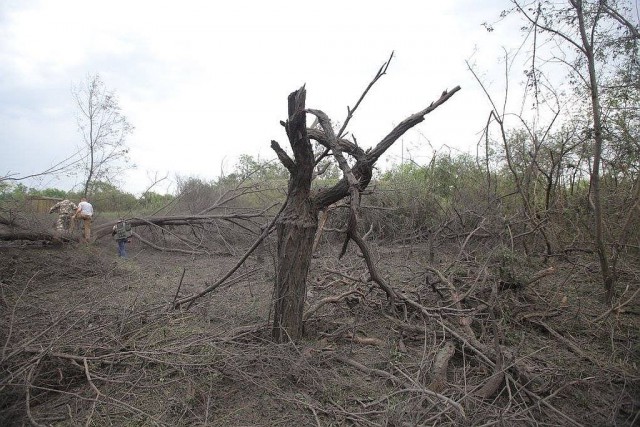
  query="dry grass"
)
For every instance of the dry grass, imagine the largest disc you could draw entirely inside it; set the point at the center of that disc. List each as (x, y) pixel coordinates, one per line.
(88, 339)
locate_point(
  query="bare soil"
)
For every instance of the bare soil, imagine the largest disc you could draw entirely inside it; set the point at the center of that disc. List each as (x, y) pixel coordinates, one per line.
(91, 339)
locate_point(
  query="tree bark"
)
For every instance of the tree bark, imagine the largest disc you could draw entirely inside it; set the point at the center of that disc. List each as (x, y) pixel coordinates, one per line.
(296, 231)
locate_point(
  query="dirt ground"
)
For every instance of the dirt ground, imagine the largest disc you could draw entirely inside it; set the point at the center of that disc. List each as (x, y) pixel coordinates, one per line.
(91, 339)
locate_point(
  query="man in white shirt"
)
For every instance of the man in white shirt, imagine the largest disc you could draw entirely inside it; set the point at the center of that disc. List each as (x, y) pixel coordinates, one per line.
(85, 213)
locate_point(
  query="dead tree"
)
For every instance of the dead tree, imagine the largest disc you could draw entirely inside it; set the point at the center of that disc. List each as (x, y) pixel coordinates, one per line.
(297, 225)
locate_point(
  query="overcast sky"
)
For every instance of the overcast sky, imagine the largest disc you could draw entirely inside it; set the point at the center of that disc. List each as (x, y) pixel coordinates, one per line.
(204, 82)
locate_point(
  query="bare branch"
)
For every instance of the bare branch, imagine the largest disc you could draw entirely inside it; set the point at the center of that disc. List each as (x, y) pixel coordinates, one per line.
(407, 124)
(381, 72)
(284, 157)
(633, 29)
(362, 170)
(549, 29)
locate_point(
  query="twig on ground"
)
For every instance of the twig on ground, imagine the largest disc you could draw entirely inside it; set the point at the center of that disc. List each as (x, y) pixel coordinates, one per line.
(540, 275)
(564, 340)
(440, 366)
(396, 380)
(13, 315)
(28, 396)
(179, 286)
(164, 249)
(617, 307)
(330, 299)
(492, 385)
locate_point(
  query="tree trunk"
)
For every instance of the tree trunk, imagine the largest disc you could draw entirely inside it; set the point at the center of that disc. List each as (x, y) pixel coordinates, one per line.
(296, 232)
(296, 226)
(596, 196)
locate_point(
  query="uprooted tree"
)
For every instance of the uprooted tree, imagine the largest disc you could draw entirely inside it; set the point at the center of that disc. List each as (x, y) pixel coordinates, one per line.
(298, 222)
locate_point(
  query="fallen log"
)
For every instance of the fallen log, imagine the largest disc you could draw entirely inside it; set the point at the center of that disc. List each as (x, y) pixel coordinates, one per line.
(35, 236)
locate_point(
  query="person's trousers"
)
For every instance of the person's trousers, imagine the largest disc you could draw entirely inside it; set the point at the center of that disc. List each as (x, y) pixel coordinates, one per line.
(64, 223)
(87, 226)
(122, 252)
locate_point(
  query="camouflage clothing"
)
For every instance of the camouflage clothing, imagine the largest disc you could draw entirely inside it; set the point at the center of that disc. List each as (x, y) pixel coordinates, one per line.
(65, 209)
(122, 232)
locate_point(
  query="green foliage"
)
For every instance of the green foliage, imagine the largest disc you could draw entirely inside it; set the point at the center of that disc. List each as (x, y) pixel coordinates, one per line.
(13, 191)
(253, 169)
(152, 201)
(249, 167)
(441, 178)
(621, 155)
(417, 198)
(107, 199)
(20, 192)
(512, 267)
(52, 192)
(330, 175)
